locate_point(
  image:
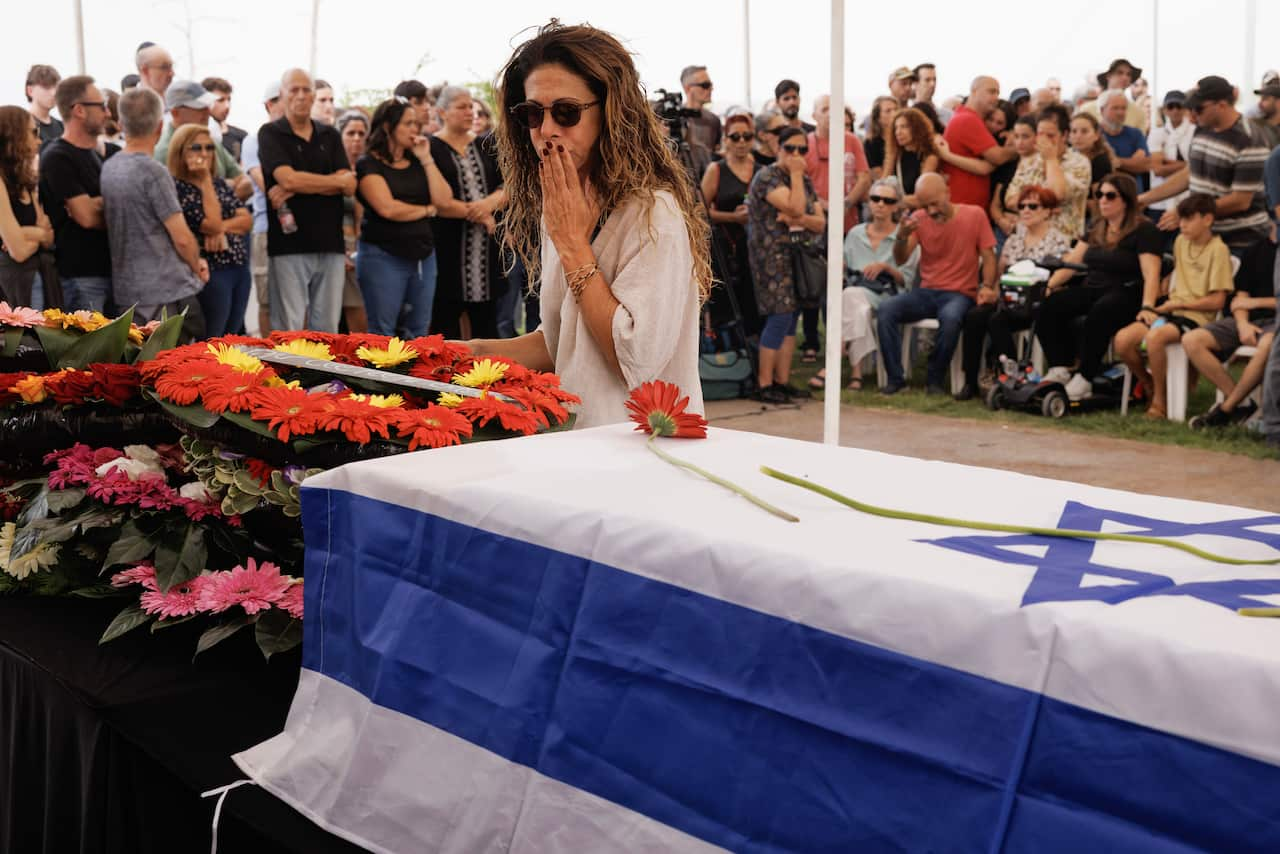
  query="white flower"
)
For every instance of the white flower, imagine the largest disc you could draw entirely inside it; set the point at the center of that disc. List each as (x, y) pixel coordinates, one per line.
(195, 491)
(133, 468)
(143, 453)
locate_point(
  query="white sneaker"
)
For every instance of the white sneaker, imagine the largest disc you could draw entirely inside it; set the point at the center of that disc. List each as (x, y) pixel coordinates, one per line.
(1057, 375)
(1078, 388)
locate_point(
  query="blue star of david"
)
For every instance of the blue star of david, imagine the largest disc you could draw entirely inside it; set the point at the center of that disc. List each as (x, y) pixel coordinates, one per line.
(1066, 562)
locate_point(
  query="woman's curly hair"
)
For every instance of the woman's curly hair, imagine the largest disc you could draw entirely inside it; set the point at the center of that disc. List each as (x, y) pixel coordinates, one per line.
(921, 134)
(17, 151)
(633, 158)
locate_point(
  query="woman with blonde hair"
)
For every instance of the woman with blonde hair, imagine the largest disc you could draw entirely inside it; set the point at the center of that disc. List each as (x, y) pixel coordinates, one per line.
(624, 261)
(213, 213)
(24, 228)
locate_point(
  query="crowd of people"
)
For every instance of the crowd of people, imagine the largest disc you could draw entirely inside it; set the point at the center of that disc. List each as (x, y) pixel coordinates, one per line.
(396, 218)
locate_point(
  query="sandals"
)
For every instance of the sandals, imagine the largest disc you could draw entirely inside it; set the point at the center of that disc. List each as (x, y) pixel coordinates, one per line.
(1155, 413)
(818, 381)
(809, 357)
(855, 384)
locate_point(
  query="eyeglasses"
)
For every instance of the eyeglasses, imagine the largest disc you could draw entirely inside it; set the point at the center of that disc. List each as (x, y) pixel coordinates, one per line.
(1109, 195)
(705, 84)
(882, 200)
(796, 149)
(1029, 206)
(166, 66)
(102, 105)
(564, 113)
(201, 148)
(745, 136)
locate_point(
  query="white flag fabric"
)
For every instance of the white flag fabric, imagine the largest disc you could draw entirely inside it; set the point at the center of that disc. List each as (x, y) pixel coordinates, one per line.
(564, 644)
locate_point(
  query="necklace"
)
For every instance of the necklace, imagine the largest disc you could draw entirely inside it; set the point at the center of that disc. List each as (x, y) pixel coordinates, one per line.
(1195, 256)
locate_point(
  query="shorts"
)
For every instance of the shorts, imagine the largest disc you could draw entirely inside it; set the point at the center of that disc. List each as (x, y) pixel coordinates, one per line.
(1226, 335)
(1184, 324)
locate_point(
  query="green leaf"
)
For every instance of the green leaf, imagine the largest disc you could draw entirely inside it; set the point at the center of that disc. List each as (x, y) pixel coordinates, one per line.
(56, 342)
(241, 503)
(98, 591)
(133, 545)
(242, 420)
(277, 631)
(59, 530)
(37, 508)
(247, 483)
(221, 632)
(194, 414)
(164, 338)
(12, 338)
(101, 345)
(126, 621)
(164, 624)
(64, 499)
(181, 558)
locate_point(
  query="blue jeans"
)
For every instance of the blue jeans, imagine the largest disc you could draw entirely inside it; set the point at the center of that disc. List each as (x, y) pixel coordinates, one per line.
(949, 307)
(223, 300)
(389, 284)
(306, 290)
(86, 292)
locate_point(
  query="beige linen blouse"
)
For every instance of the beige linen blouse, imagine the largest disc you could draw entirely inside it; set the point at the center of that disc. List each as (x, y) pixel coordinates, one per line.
(649, 267)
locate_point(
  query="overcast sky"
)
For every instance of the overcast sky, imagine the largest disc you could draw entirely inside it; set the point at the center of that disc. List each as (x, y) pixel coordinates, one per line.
(375, 43)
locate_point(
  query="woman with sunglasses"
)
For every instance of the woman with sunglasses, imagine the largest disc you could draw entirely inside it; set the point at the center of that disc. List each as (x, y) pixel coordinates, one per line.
(781, 200)
(1034, 238)
(872, 272)
(600, 213)
(24, 228)
(469, 281)
(220, 221)
(1122, 252)
(724, 186)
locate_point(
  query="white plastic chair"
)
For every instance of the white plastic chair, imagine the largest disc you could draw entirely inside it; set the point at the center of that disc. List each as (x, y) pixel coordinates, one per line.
(1243, 353)
(957, 368)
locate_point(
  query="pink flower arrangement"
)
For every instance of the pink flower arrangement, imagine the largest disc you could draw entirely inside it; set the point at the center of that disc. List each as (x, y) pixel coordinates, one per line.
(79, 466)
(253, 587)
(180, 600)
(143, 573)
(20, 316)
(291, 601)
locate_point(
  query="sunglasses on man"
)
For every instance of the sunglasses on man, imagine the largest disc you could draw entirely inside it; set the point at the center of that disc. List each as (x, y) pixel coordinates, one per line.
(705, 84)
(566, 113)
(740, 137)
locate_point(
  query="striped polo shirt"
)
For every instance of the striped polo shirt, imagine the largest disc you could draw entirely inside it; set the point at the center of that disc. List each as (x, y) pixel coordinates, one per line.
(1231, 161)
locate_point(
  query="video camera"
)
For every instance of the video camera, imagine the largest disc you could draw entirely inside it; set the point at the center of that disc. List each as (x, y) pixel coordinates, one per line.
(669, 107)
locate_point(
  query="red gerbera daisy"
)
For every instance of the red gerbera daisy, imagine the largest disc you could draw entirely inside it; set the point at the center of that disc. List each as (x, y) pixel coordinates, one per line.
(290, 411)
(356, 419)
(232, 392)
(432, 427)
(181, 385)
(657, 408)
(511, 416)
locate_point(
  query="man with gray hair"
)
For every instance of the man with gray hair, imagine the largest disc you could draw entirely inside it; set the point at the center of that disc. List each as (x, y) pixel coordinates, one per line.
(155, 258)
(155, 67)
(704, 128)
(306, 173)
(1129, 144)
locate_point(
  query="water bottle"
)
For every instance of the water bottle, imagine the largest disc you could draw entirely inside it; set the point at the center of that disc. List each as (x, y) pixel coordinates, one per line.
(287, 223)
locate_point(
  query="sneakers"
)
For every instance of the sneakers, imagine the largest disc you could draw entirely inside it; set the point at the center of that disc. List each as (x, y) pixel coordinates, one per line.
(965, 393)
(1079, 388)
(892, 387)
(772, 394)
(1057, 375)
(1217, 417)
(935, 390)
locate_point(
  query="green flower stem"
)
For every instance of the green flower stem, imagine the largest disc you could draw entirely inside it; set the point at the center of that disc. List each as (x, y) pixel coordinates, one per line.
(732, 487)
(1258, 612)
(1012, 529)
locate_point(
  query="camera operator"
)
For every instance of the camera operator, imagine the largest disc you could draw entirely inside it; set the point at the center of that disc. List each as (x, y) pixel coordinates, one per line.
(704, 126)
(692, 155)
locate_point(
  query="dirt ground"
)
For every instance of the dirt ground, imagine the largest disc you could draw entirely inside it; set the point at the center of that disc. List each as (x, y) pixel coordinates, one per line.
(1117, 463)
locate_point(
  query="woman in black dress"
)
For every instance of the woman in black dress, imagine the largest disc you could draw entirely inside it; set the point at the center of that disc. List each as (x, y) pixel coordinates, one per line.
(471, 281)
(24, 229)
(724, 187)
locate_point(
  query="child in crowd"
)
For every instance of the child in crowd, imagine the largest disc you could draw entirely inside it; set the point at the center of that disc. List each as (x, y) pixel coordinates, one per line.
(1202, 278)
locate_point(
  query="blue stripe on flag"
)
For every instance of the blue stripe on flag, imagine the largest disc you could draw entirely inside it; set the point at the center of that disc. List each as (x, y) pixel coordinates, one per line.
(738, 727)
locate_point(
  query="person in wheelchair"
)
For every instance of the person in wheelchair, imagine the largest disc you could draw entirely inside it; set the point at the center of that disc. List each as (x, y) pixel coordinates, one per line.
(1122, 255)
(1033, 239)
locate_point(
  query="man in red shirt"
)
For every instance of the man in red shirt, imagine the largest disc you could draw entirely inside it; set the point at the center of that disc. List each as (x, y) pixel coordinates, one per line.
(817, 163)
(953, 239)
(969, 152)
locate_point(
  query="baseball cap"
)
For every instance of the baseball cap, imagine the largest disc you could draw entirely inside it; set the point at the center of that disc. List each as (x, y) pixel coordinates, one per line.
(1270, 85)
(1211, 88)
(271, 93)
(902, 73)
(1019, 94)
(1175, 98)
(188, 93)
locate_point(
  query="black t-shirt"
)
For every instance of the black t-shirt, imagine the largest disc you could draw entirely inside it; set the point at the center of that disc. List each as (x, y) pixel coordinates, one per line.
(67, 171)
(762, 158)
(319, 217)
(233, 140)
(405, 239)
(1099, 167)
(874, 149)
(1109, 268)
(1002, 177)
(49, 132)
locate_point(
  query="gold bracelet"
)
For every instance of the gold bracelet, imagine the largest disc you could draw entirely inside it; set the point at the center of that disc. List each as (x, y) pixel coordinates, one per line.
(577, 279)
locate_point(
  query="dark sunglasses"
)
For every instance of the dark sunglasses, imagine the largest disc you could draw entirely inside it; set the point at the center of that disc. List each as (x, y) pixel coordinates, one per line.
(882, 200)
(771, 131)
(99, 104)
(564, 113)
(1029, 206)
(706, 84)
(745, 136)
(199, 147)
(1109, 195)
(796, 149)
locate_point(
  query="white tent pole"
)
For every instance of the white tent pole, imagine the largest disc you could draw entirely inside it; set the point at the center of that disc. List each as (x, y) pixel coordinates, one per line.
(1250, 41)
(1153, 85)
(835, 229)
(746, 53)
(80, 36)
(315, 35)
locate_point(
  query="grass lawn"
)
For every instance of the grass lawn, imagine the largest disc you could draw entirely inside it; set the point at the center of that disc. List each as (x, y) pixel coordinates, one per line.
(1234, 440)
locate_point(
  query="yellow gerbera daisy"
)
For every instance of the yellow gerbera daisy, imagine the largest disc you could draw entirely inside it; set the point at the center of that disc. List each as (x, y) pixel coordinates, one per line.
(236, 358)
(450, 399)
(276, 382)
(483, 374)
(397, 353)
(305, 348)
(31, 389)
(382, 401)
(135, 335)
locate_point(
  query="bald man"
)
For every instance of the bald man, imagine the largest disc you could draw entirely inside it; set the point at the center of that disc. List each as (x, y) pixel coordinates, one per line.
(954, 239)
(971, 153)
(155, 69)
(305, 170)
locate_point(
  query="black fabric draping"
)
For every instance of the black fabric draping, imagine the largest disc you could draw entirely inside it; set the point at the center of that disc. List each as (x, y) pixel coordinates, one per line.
(107, 748)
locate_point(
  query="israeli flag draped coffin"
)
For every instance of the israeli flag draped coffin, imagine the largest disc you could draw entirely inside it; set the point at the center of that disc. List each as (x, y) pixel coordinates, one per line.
(563, 644)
